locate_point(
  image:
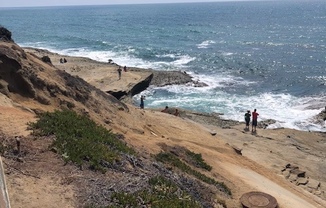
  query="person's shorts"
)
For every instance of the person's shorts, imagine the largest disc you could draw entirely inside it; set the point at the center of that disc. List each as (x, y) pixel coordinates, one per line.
(247, 122)
(254, 122)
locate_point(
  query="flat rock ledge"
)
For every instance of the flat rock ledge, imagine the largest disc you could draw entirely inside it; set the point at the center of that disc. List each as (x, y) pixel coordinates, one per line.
(297, 176)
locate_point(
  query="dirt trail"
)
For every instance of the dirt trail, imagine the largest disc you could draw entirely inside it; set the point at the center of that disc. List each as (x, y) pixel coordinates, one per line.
(14, 121)
(285, 197)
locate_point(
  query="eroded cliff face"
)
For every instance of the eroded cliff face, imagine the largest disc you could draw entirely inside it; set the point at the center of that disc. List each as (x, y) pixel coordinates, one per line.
(11, 72)
(24, 76)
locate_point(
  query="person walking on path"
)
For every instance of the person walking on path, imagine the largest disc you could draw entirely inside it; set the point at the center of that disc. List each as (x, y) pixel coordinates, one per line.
(247, 119)
(254, 120)
(119, 72)
(142, 98)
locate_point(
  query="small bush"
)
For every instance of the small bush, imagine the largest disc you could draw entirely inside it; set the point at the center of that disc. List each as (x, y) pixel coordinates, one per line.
(198, 161)
(5, 34)
(162, 194)
(171, 159)
(80, 139)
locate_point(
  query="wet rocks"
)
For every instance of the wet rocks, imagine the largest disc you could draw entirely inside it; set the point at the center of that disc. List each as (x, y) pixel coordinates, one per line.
(321, 117)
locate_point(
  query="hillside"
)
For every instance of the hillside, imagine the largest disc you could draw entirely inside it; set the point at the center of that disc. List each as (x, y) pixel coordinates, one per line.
(40, 178)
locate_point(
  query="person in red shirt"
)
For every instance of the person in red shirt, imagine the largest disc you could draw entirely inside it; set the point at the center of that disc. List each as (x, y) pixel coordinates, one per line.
(254, 120)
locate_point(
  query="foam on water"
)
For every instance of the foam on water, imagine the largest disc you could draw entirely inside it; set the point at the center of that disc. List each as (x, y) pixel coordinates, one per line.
(122, 58)
(205, 44)
(288, 111)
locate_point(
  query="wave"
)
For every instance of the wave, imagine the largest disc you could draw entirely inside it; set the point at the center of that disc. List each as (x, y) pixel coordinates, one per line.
(122, 57)
(205, 44)
(288, 111)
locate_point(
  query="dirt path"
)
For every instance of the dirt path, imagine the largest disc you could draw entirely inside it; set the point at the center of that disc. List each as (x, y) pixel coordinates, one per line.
(285, 197)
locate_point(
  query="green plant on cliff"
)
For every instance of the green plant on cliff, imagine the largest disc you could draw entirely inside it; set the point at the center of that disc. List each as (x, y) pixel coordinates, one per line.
(161, 194)
(198, 161)
(79, 139)
(5, 34)
(171, 159)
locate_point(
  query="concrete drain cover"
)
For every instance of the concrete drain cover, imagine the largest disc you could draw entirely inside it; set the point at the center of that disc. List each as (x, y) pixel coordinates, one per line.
(258, 200)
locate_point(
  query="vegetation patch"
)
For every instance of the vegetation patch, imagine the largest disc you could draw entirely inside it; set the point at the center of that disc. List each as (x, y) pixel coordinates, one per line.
(161, 194)
(79, 139)
(171, 159)
(197, 160)
(192, 158)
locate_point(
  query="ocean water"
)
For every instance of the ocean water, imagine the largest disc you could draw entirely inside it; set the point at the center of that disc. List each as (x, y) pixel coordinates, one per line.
(265, 55)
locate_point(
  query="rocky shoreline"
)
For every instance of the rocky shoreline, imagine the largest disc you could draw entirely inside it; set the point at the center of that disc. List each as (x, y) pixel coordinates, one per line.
(80, 66)
(75, 66)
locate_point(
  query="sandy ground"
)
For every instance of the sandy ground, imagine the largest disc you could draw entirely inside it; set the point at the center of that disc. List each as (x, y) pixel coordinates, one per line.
(259, 168)
(99, 74)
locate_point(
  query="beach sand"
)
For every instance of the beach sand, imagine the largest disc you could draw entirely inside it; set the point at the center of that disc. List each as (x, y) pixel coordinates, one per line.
(242, 160)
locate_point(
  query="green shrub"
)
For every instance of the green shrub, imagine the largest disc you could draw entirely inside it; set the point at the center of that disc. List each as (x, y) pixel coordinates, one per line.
(80, 139)
(162, 194)
(171, 159)
(198, 161)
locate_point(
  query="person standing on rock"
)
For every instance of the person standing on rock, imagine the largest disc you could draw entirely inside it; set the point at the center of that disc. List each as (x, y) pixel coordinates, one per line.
(176, 113)
(247, 119)
(254, 120)
(142, 98)
(165, 110)
(119, 72)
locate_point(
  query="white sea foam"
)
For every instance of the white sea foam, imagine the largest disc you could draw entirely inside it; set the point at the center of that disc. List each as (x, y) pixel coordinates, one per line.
(166, 56)
(227, 53)
(183, 60)
(124, 58)
(272, 44)
(205, 44)
(320, 79)
(289, 111)
(220, 80)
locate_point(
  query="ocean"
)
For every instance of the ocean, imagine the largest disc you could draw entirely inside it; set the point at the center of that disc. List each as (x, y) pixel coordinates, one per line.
(265, 55)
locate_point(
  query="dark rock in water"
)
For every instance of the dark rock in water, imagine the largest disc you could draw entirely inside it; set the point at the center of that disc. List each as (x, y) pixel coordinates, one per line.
(322, 115)
(320, 118)
(199, 84)
(163, 78)
(265, 123)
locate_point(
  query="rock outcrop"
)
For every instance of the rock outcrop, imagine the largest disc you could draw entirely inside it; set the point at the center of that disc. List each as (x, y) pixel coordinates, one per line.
(297, 176)
(24, 75)
(5, 34)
